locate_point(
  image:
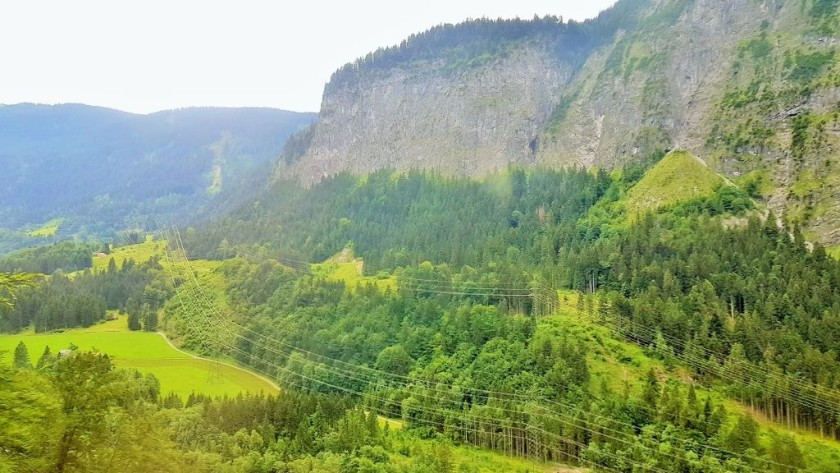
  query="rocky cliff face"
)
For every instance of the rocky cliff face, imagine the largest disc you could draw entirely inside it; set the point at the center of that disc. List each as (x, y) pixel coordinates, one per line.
(482, 119)
(650, 86)
(749, 86)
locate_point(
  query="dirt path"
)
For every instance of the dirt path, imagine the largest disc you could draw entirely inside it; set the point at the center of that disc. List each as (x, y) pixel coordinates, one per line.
(267, 380)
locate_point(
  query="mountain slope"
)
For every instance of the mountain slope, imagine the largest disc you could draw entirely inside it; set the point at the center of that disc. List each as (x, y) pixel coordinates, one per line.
(678, 177)
(753, 88)
(100, 170)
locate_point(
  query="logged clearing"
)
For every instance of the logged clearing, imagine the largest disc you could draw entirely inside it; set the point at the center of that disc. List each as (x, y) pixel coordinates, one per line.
(345, 267)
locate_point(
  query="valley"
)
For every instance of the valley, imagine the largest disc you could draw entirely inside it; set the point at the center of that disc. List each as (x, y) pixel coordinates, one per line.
(543, 245)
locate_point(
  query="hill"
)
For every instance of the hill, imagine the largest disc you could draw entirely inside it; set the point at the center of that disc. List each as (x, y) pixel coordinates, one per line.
(678, 177)
(75, 169)
(752, 87)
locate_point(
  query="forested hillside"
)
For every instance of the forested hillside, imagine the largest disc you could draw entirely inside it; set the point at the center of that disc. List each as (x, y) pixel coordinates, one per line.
(721, 300)
(505, 245)
(93, 171)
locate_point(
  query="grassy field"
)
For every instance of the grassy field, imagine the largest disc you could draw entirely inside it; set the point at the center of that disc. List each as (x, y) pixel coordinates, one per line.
(149, 353)
(48, 229)
(678, 177)
(617, 363)
(140, 253)
(834, 251)
(348, 269)
(468, 458)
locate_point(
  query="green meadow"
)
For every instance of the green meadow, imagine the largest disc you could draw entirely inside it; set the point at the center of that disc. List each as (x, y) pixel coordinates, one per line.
(48, 229)
(146, 352)
(139, 252)
(678, 177)
(345, 267)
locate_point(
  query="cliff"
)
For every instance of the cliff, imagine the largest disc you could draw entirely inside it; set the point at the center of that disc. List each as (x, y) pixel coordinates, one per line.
(750, 87)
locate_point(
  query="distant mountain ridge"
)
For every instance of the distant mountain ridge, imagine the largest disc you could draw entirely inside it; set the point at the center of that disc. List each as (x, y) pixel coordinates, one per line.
(101, 170)
(750, 87)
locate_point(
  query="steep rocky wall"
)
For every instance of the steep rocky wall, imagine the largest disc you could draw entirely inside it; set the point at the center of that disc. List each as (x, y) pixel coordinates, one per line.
(652, 86)
(465, 122)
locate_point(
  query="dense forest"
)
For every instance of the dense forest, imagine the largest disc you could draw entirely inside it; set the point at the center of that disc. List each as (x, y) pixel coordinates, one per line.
(75, 412)
(83, 299)
(453, 328)
(746, 307)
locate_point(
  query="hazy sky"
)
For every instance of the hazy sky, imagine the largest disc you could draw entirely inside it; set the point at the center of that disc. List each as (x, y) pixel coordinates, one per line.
(149, 55)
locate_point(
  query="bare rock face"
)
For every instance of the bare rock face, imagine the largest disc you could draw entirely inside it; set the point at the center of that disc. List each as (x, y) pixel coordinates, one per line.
(651, 87)
(646, 84)
(468, 122)
(750, 87)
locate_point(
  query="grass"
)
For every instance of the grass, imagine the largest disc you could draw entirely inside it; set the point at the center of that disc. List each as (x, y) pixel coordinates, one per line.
(471, 459)
(140, 252)
(678, 177)
(47, 230)
(618, 363)
(833, 251)
(148, 353)
(611, 361)
(346, 268)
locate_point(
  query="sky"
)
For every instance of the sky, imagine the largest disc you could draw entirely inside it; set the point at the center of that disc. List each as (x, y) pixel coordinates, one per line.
(148, 55)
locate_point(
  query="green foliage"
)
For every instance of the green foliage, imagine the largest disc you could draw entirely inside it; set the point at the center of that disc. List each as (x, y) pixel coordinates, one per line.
(62, 302)
(757, 184)
(102, 170)
(678, 177)
(394, 220)
(21, 359)
(134, 321)
(67, 256)
(805, 67)
(727, 199)
(297, 144)
(758, 49)
(30, 421)
(48, 229)
(823, 8)
(10, 284)
(176, 371)
(476, 42)
(395, 360)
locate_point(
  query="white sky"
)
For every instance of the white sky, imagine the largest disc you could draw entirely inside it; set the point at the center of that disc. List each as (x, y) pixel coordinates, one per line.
(149, 55)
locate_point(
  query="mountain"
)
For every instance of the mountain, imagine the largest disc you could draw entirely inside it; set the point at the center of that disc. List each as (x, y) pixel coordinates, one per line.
(752, 88)
(98, 170)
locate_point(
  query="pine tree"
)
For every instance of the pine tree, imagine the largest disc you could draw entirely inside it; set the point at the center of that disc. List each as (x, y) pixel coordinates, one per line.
(785, 452)
(134, 321)
(45, 358)
(22, 357)
(651, 392)
(150, 319)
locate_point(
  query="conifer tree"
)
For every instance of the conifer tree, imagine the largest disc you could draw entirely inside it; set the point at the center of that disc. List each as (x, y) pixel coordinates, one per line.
(150, 319)
(22, 356)
(134, 321)
(45, 358)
